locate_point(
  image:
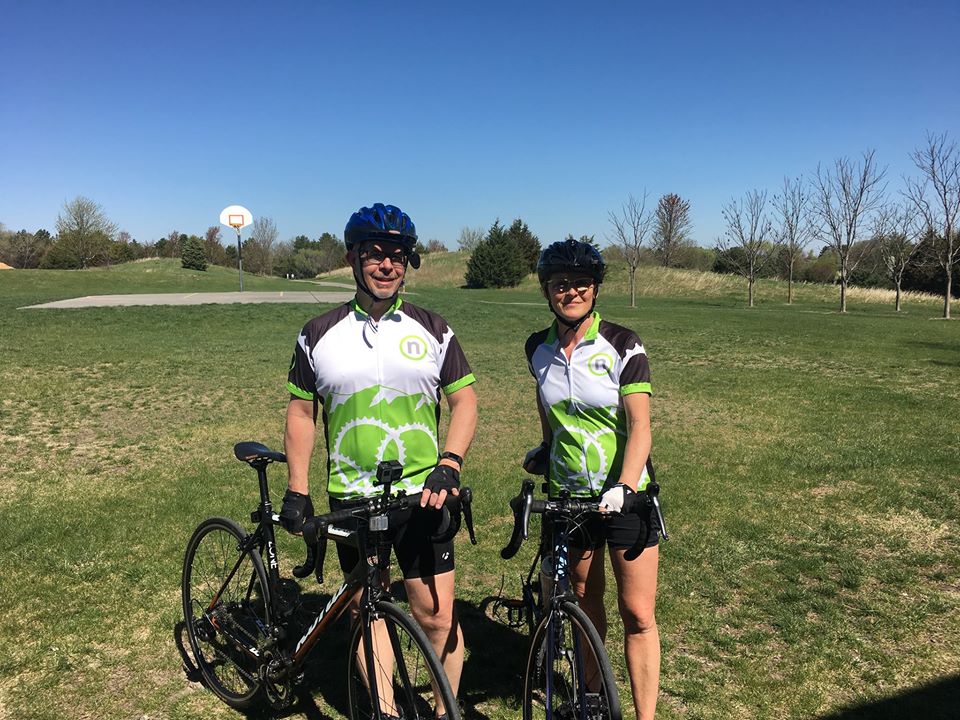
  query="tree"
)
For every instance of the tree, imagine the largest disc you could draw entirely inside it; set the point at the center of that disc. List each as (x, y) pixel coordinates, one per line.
(845, 198)
(23, 249)
(435, 246)
(895, 234)
(630, 229)
(671, 230)
(470, 238)
(794, 231)
(497, 261)
(526, 242)
(937, 199)
(84, 233)
(192, 256)
(213, 249)
(748, 231)
(258, 248)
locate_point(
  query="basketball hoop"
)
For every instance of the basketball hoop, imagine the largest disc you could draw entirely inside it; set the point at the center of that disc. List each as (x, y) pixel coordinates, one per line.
(237, 217)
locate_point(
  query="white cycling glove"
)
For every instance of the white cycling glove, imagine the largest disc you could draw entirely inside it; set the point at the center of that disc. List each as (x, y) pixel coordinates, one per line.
(618, 499)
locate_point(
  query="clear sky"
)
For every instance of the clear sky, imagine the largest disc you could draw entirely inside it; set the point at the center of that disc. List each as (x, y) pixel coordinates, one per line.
(460, 113)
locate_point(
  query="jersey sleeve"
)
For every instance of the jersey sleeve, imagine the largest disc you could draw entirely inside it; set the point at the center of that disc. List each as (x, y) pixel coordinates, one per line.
(635, 375)
(530, 347)
(302, 379)
(455, 371)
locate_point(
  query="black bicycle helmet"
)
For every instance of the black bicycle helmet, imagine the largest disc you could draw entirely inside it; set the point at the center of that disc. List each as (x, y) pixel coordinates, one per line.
(570, 256)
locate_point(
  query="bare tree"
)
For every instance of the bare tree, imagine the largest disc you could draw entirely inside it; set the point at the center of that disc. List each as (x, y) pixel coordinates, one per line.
(671, 232)
(845, 197)
(23, 249)
(630, 230)
(259, 248)
(84, 231)
(937, 199)
(898, 241)
(470, 238)
(746, 240)
(794, 232)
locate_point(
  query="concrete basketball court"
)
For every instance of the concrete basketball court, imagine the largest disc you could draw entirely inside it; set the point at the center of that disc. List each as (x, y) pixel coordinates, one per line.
(216, 298)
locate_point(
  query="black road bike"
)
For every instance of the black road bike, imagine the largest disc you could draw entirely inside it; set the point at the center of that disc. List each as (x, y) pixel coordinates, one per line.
(568, 673)
(240, 625)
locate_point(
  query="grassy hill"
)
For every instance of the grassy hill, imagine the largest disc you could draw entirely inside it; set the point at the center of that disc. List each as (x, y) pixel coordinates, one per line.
(446, 270)
(810, 465)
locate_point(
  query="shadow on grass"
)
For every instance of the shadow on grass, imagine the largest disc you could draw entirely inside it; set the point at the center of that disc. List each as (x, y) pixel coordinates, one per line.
(936, 701)
(493, 672)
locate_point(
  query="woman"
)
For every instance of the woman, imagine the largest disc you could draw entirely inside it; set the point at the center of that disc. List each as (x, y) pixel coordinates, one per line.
(594, 402)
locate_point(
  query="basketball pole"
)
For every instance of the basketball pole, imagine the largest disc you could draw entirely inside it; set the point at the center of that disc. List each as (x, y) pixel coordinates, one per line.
(240, 259)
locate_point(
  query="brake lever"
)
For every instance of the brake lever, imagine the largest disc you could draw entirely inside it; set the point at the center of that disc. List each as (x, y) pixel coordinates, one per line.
(466, 499)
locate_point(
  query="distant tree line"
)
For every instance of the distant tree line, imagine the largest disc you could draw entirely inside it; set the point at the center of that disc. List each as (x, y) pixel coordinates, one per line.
(86, 237)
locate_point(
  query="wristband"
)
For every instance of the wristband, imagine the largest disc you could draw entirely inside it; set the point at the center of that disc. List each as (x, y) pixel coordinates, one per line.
(447, 455)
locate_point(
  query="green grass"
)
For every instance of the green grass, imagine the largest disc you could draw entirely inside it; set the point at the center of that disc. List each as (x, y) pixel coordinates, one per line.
(810, 465)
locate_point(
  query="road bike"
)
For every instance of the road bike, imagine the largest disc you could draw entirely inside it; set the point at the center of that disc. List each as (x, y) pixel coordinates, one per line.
(568, 675)
(240, 624)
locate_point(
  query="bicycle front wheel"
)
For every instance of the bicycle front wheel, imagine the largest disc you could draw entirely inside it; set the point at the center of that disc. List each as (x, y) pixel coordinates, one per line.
(394, 672)
(568, 672)
(227, 610)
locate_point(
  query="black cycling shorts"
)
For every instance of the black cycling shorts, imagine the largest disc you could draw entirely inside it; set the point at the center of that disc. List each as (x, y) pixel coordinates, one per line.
(409, 535)
(618, 531)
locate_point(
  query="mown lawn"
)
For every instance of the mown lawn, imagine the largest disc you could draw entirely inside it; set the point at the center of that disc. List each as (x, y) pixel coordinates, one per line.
(810, 465)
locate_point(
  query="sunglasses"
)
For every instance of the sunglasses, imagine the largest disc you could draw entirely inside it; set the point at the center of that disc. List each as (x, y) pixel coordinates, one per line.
(376, 257)
(563, 285)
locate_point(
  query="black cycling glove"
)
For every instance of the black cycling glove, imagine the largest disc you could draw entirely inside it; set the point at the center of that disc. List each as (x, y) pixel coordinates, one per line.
(535, 461)
(442, 477)
(296, 508)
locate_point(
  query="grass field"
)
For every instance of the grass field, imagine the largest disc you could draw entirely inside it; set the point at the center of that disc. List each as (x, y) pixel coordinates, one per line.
(810, 465)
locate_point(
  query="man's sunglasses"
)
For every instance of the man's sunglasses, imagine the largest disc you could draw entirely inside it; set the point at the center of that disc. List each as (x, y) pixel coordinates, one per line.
(376, 257)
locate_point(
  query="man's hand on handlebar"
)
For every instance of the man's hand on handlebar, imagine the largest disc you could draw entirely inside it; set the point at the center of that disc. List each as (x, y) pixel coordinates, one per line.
(443, 480)
(297, 507)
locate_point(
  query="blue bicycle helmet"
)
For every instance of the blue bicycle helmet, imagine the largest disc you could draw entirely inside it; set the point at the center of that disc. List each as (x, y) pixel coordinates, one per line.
(380, 222)
(570, 255)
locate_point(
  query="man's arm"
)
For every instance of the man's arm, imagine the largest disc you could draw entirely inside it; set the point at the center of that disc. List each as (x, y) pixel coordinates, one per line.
(463, 425)
(298, 439)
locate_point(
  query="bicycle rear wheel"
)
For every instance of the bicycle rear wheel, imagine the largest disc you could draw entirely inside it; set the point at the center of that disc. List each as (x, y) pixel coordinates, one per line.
(568, 673)
(408, 680)
(226, 608)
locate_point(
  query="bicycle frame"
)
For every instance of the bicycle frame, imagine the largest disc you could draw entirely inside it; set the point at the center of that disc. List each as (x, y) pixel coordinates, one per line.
(365, 575)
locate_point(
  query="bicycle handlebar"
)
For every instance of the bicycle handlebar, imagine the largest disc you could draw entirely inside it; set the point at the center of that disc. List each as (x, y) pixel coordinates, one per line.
(316, 529)
(523, 505)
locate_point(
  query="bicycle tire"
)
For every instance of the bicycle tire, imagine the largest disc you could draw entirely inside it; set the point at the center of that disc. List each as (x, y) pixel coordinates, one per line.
(555, 682)
(226, 614)
(415, 681)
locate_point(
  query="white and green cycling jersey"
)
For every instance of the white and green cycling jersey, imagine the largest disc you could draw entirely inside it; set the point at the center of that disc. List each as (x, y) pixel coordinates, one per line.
(379, 383)
(582, 398)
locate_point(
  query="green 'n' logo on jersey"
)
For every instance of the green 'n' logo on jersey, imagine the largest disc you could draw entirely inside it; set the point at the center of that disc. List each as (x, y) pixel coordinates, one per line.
(413, 347)
(600, 364)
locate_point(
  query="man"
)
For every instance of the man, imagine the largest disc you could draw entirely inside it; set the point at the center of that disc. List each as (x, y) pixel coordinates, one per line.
(377, 366)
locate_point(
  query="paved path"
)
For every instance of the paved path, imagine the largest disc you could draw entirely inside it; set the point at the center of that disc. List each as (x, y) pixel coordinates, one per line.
(199, 299)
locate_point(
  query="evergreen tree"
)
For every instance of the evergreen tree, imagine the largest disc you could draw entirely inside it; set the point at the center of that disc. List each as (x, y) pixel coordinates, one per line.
(527, 242)
(192, 256)
(497, 261)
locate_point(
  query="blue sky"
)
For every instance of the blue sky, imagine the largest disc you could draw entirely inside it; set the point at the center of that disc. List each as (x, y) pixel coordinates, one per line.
(459, 113)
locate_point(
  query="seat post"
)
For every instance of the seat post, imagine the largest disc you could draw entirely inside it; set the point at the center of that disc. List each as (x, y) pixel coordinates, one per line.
(264, 488)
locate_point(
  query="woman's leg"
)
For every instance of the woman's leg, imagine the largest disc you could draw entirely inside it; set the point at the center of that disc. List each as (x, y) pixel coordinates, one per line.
(636, 597)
